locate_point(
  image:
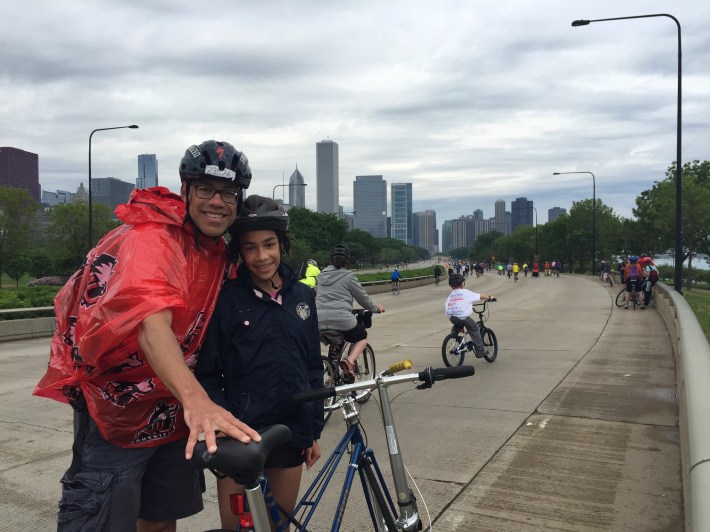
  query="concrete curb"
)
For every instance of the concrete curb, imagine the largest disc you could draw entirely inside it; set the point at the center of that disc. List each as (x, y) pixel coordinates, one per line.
(693, 374)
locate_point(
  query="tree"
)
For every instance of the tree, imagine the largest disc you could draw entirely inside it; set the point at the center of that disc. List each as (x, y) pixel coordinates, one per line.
(483, 249)
(69, 232)
(17, 267)
(41, 264)
(17, 208)
(319, 230)
(655, 211)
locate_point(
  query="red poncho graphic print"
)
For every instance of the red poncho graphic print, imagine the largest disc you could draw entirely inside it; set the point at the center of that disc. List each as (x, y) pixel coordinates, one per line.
(148, 264)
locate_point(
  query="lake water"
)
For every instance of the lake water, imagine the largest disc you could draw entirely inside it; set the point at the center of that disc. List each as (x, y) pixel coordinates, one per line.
(700, 262)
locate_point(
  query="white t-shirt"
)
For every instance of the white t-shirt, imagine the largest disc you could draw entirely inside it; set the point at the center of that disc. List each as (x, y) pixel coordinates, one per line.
(459, 303)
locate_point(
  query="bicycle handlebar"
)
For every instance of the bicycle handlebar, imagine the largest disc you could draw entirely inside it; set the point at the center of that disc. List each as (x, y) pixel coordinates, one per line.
(427, 378)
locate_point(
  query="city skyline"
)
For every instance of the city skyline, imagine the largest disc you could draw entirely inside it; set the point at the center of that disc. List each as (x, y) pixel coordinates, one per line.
(468, 103)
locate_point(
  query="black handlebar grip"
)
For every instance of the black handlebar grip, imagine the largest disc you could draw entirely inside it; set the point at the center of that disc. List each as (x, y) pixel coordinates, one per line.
(313, 395)
(455, 372)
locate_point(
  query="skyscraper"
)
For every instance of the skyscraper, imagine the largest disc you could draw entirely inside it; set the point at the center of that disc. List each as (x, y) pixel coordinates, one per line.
(521, 212)
(296, 190)
(554, 213)
(20, 169)
(327, 177)
(370, 204)
(425, 234)
(147, 171)
(499, 217)
(401, 198)
(111, 192)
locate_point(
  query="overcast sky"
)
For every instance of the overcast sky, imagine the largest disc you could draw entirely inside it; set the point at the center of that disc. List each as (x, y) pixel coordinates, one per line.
(471, 101)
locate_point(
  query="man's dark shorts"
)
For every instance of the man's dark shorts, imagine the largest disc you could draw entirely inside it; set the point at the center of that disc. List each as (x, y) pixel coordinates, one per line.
(114, 486)
(355, 334)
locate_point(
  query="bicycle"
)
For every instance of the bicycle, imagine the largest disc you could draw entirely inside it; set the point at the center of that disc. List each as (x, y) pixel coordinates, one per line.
(458, 342)
(338, 347)
(245, 463)
(621, 297)
(395, 287)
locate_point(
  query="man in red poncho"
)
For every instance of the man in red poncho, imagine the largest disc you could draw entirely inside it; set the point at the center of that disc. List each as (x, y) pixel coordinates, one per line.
(129, 324)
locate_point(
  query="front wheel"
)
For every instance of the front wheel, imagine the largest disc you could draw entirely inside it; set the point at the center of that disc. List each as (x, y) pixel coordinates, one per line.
(380, 512)
(490, 342)
(621, 298)
(453, 350)
(365, 370)
(329, 378)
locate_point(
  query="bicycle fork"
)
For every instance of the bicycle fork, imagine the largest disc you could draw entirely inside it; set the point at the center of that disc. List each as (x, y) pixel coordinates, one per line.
(408, 515)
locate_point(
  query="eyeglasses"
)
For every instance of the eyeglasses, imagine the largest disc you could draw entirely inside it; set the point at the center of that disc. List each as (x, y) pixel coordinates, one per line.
(207, 192)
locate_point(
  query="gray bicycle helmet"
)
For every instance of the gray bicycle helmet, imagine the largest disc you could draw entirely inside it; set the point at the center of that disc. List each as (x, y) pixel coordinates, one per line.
(215, 159)
(456, 280)
(340, 251)
(259, 213)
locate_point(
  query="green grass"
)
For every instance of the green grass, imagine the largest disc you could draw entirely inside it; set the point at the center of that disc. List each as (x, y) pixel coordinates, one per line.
(387, 275)
(699, 301)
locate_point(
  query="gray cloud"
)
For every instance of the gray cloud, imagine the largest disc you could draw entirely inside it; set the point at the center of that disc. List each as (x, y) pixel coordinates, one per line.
(470, 102)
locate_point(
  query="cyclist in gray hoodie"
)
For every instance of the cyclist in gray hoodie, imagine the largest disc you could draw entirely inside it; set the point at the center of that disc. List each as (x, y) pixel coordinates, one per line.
(337, 286)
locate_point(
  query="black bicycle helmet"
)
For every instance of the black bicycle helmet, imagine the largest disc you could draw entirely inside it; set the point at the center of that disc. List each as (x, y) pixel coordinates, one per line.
(456, 279)
(258, 213)
(215, 159)
(340, 251)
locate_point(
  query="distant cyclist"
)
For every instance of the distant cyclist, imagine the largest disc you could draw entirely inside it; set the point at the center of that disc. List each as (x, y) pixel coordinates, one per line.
(311, 274)
(633, 276)
(395, 278)
(437, 274)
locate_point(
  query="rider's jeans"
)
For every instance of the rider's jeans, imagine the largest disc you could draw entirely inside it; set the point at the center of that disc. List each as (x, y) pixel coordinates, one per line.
(472, 328)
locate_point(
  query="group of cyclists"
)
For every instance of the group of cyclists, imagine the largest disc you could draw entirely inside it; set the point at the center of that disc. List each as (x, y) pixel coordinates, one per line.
(638, 274)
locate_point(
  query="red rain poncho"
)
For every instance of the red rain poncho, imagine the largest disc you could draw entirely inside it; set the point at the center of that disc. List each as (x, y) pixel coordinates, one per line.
(146, 265)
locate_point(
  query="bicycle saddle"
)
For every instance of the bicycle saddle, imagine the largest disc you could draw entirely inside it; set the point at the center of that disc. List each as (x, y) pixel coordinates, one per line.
(238, 460)
(330, 336)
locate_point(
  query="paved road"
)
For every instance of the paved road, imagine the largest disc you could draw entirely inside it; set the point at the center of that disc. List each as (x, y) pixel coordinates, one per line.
(574, 427)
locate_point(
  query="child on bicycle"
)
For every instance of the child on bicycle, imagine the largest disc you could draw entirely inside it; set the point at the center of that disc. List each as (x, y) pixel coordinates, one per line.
(458, 308)
(261, 347)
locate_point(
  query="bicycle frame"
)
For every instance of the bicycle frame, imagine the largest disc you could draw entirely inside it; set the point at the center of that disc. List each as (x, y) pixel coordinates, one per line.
(380, 504)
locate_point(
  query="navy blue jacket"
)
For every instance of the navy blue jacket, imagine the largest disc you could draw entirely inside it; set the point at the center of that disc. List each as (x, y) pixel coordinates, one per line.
(257, 353)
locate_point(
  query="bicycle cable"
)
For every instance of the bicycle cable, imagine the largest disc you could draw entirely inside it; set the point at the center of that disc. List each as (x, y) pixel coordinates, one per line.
(421, 498)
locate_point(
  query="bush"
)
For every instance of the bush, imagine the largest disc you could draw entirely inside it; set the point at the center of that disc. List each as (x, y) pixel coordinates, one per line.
(38, 296)
(48, 281)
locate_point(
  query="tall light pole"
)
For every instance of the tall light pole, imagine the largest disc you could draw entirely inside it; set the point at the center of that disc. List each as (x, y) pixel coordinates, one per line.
(594, 217)
(273, 192)
(678, 277)
(91, 222)
(535, 230)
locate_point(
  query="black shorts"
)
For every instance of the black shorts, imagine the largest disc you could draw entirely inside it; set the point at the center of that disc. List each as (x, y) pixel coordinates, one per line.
(285, 456)
(355, 334)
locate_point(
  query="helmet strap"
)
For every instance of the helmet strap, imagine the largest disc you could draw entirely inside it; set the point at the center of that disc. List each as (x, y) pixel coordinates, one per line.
(273, 285)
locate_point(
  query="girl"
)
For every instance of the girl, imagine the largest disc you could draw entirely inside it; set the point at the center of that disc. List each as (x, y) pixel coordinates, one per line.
(262, 346)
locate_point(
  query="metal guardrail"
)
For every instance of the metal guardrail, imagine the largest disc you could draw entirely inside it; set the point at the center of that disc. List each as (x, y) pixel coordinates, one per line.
(20, 310)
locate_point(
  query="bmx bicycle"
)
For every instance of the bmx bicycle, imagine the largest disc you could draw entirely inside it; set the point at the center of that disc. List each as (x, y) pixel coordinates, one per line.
(459, 341)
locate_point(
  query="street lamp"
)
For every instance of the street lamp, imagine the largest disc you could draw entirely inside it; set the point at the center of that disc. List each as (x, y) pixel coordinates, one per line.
(273, 193)
(535, 230)
(678, 277)
(594, 217)
(91, 227)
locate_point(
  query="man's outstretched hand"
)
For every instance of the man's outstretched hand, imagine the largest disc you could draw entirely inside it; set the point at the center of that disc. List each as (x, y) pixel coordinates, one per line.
(202, 416)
